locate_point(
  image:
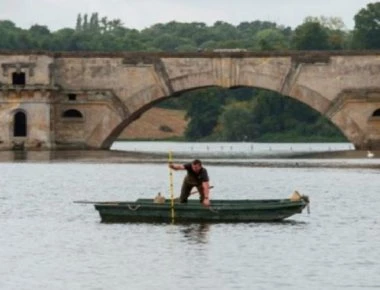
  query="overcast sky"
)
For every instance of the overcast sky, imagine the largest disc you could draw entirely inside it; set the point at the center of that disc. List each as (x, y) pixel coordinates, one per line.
(140, 14)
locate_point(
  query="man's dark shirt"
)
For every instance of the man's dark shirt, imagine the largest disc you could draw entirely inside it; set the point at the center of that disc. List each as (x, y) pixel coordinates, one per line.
(201, 176)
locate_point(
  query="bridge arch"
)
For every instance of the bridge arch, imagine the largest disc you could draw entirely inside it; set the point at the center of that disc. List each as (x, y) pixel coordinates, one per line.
(312, 98)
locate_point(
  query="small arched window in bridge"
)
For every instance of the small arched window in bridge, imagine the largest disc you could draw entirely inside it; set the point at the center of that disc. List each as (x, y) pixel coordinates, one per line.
(376, 113)
(19, 124)
(72, 113)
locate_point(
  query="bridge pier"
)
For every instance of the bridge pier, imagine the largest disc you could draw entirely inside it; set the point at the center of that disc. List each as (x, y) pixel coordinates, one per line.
(53, 119)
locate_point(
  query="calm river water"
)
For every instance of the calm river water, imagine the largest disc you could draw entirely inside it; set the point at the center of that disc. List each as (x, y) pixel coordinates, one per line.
(49, 242)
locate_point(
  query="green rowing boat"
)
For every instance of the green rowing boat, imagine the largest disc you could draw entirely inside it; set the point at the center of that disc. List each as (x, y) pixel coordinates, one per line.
(146, 210)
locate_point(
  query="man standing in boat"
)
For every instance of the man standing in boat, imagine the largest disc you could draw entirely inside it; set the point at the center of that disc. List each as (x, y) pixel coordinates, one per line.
(196, 176)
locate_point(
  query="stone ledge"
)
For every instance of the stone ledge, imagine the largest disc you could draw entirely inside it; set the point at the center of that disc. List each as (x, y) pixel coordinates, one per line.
(206, 54)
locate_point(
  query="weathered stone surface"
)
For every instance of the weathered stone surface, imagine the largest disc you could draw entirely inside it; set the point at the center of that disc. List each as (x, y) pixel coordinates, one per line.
(109, 91)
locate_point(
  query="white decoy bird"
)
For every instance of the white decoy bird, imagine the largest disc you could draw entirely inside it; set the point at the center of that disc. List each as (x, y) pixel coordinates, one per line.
(370, 154)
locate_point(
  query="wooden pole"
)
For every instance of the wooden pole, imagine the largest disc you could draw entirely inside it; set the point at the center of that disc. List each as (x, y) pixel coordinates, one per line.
(171, 187)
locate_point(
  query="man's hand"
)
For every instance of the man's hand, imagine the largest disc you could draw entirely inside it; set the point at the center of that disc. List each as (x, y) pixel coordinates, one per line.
(206, 202)
(176, 166)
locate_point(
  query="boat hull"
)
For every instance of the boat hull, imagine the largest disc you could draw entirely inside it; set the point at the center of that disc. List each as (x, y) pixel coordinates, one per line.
(144, 210)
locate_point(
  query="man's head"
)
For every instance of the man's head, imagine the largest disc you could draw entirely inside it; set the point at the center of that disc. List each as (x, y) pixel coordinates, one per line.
(196, 165)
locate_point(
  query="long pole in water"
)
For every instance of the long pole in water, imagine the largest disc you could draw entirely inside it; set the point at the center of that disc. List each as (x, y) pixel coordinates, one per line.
(171, 187)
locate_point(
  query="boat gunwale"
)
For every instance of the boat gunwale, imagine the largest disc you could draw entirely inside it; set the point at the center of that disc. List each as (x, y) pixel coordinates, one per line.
(198, 206)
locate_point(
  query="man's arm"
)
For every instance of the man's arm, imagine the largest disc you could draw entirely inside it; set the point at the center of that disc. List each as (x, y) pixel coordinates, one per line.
(176, 166)
(206, 189)
(206, 192)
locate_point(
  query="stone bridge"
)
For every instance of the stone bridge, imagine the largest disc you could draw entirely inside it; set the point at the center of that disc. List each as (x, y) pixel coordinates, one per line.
(84, 100)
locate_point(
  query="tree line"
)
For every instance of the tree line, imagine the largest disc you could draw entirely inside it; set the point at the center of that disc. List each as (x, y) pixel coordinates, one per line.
(215, 114)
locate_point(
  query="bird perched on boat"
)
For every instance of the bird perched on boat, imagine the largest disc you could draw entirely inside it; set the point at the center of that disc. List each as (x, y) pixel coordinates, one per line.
(159, 198)
(370, 154)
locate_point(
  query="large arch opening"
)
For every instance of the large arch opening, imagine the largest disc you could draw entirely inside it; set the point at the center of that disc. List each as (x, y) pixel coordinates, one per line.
(244, 114)
(19, 124)
(252, 114)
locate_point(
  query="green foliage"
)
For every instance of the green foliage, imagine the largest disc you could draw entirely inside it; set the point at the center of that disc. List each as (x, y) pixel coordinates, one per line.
(238, 123)
(268, 114)
(367, 27)
(168, 42)
(338, 37)
(246, 114)
(203, 109)
(311, 36)
(271, 39)
(331, 23)
(95, 33)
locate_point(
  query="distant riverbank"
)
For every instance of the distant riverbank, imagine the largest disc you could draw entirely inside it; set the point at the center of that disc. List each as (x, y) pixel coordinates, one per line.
(334, 159)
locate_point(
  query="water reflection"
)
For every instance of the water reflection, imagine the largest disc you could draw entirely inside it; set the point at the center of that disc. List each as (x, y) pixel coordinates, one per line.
(21, 155)
(287, 222)
(69, 155)
(197, 233)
